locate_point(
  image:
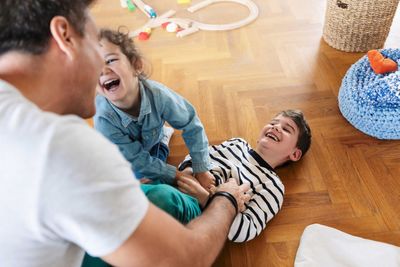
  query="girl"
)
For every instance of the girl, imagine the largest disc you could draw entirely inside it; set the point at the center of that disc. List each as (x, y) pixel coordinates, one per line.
(132, 110)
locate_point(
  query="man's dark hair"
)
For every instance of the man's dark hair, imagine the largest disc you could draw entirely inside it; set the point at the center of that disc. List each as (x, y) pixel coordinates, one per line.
(25, 24)
(304, 140)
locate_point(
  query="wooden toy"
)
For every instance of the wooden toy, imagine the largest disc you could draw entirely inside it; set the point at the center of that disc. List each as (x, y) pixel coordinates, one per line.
(189, 26)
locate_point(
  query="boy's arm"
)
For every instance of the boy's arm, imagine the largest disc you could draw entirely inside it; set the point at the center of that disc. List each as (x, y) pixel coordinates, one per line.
(262, 207)
(189, 185)
(206, 179)
(140, 159)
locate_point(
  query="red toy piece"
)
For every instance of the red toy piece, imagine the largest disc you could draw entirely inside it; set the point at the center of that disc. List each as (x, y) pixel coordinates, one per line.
(164, 25)
(380, 64)
(143, 36)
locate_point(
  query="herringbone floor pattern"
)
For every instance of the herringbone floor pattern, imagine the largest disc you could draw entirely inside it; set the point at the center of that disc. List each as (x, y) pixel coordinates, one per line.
(239, 79)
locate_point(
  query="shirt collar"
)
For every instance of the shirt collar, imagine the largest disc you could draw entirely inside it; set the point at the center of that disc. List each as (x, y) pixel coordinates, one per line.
(145, 107)
(260, 160)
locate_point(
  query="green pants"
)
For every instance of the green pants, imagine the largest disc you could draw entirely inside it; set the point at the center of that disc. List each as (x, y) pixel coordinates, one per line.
(182, 207)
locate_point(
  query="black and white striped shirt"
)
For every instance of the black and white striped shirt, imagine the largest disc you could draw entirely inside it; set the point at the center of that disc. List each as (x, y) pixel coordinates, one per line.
(236, 159)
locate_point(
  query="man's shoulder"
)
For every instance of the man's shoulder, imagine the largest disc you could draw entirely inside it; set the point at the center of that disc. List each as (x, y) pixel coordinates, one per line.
(74, 130)
(5, 86)
(23, 116)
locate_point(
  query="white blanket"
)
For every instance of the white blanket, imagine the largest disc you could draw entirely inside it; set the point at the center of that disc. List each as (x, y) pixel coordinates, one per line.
(322, 246)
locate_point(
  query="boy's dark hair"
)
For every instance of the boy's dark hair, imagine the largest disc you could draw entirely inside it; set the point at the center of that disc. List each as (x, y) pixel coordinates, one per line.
(304, 140)
(127, 47)
(25, 24)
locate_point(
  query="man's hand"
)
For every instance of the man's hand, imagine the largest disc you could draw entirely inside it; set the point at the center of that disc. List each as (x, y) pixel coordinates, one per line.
(189, 185)
(239, 192)
(206, 179)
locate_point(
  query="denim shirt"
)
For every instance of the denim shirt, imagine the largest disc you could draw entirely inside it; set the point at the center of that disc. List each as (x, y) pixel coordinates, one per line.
(136, 136)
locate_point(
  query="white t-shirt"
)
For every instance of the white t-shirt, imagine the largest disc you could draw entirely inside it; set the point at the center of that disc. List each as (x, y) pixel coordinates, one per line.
(63, 188)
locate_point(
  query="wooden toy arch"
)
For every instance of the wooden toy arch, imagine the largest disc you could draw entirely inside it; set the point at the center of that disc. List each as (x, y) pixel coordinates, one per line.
(190, 26)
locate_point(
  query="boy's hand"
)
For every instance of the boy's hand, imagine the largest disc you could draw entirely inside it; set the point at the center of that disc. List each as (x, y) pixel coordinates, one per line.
(206, 179)
(189, 185)
(185, 173)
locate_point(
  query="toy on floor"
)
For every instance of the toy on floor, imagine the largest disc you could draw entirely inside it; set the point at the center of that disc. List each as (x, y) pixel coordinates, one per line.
(371, 102)
(380, 64)
(146, 9)
(188, 26)
(145, 35)
(124, 3)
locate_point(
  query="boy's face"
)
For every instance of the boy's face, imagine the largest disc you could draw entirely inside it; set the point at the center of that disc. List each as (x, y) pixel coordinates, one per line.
(117, 78)
(279, 138)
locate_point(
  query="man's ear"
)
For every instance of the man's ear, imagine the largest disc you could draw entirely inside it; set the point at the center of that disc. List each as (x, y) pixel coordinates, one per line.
(296, 154)
(63, 35)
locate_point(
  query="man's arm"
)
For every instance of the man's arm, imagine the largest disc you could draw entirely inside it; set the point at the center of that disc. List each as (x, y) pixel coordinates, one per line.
(160, 240)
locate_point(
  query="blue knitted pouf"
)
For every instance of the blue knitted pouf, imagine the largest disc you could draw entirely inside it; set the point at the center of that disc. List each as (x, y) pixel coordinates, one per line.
(371, 102)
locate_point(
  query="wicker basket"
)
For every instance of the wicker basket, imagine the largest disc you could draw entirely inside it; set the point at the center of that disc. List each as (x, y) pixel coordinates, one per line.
(358, 25)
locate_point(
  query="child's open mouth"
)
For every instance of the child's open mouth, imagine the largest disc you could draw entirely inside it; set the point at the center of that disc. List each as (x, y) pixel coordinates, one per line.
(272, 136)
(111, 84)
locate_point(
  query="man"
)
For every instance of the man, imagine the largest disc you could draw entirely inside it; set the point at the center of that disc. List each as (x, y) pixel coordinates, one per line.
(66, 189)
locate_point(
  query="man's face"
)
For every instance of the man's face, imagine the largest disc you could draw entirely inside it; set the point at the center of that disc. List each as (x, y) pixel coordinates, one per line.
(87, 71)
(280, 137)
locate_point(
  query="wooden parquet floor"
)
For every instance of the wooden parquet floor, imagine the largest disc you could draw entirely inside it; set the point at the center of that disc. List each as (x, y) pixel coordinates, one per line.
(238, 80)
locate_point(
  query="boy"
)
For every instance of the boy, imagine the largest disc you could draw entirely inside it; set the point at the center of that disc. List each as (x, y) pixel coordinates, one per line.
(285, 138)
